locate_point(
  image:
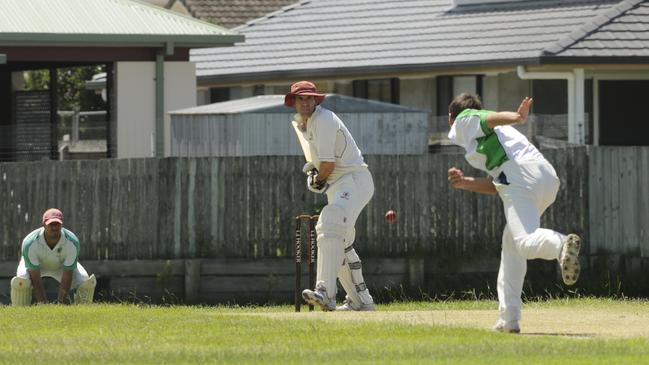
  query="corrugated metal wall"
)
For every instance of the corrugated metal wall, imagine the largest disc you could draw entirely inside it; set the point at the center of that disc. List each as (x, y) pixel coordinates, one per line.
(249, 134)
(243, 207)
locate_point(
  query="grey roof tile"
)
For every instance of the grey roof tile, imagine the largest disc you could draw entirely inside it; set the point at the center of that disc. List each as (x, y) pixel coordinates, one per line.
(622, 31)
(329, 37)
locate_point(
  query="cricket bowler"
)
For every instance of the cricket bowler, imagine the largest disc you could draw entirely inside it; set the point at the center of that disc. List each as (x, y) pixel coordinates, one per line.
(527, 185)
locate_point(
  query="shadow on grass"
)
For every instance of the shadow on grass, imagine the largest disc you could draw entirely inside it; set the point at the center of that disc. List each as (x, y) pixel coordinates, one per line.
(559, 334)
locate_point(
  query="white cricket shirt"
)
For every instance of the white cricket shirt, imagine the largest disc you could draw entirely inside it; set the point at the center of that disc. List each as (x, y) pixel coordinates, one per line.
(39, 256)
(329, 140)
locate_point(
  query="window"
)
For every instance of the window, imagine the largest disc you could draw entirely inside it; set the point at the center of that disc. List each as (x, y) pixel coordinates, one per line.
(385, 90)
(450, 86)
(218, 94)
(258, 90)
(621, 121)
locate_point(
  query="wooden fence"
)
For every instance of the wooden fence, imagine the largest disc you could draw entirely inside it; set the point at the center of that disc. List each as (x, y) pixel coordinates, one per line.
(619, 194)
(241, 281)
(241, 208)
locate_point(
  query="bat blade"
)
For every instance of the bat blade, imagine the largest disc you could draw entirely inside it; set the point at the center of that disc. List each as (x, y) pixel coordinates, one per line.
(303, 142)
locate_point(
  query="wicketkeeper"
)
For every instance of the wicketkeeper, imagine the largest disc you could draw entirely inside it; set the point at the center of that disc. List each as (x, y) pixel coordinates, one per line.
(51, 250)
(526, 183)
(334, 167)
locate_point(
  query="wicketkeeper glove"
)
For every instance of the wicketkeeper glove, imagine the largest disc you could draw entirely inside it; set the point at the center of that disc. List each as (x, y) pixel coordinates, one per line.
(314, 185)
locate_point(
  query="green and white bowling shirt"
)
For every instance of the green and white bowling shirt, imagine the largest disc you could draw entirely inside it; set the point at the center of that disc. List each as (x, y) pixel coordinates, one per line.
(39, 256)
(488, 148)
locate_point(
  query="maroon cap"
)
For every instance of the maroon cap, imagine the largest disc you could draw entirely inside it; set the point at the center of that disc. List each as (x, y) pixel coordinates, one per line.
(303, 88)
(52, 215)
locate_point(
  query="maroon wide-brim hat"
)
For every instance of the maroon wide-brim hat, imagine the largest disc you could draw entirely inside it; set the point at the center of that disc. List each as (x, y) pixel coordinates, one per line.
(303, 88)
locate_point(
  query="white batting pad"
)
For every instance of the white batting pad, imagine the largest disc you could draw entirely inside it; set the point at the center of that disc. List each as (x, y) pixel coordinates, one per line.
(330, 257)
(21, 292)
(86, 291)
(332, 229)
(345, 278)
(351, 279)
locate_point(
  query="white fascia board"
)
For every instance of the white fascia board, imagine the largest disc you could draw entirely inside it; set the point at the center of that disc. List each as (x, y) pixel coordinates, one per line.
(478, 2)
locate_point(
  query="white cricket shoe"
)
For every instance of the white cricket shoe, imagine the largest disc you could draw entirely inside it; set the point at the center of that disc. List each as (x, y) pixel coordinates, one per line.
(569, 259)
(319, 297)
(348, 306)
(507, 326)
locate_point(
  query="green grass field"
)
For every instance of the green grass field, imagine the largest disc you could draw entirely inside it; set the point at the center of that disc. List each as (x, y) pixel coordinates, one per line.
(593, 331)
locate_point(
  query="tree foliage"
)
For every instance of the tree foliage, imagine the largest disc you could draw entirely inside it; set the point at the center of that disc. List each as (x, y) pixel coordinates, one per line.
(71, 87)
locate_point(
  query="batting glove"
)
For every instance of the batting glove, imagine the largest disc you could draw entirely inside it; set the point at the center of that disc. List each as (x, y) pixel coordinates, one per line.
(308, 167)
(314, 185)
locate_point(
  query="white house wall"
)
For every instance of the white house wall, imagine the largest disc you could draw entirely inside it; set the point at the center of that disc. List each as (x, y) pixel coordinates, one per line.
(135, 106)
(135, 91)
(180, 92)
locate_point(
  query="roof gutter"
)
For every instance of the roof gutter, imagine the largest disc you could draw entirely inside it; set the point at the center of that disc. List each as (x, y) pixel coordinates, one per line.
(576, 99)
(99, 39)
(431, 69)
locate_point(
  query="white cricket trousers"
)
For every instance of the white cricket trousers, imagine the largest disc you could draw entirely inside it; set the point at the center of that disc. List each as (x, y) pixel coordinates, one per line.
(351, 192)
(533, 186)
(79, 275)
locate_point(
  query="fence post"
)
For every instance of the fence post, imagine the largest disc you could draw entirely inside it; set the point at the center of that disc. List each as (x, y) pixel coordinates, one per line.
(415, 272)
(192, 280)
(75, 126)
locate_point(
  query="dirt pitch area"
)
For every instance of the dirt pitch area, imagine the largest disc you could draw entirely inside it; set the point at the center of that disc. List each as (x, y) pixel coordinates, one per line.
(564, 321)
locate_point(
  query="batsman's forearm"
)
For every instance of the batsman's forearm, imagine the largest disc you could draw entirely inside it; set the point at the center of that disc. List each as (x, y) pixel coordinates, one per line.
(478, 185)
(326, 168)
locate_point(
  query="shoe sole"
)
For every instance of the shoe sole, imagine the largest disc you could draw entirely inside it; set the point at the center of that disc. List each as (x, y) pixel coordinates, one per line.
(348, 309)
(569, 262)
(507, 330)
(314, 301)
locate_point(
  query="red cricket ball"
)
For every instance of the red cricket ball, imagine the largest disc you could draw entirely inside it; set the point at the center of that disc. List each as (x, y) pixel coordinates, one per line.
(390, 216)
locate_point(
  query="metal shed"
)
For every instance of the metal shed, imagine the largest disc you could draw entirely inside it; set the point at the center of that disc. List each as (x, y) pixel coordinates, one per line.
(260, 126)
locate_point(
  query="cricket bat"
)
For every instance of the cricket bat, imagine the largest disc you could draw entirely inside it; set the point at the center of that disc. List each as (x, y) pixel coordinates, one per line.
(303, 142)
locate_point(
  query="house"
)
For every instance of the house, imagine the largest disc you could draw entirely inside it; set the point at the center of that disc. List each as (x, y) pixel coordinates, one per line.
(583, 60)
(226, 13)
(144, 50)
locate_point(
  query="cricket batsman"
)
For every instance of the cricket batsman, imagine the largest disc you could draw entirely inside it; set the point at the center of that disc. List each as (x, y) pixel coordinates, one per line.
(527, 185)
(334, 167)
(51, 250)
